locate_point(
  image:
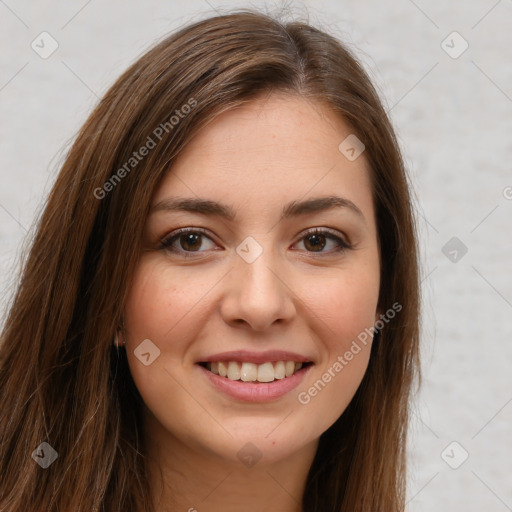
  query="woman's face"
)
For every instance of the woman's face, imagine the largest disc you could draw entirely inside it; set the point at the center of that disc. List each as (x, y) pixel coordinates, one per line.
(257, 293)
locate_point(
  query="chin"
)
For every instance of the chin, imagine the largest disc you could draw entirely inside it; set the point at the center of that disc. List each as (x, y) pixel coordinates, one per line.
(251, 446)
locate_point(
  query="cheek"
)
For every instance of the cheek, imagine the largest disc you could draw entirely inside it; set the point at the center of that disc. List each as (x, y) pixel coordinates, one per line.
(346, 305)
(356, 305)
(161, 302)
(346, 313)
(155, 309)
(160, 307)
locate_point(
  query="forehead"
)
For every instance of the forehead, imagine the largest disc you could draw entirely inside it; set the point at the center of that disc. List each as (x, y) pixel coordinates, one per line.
(270, 151)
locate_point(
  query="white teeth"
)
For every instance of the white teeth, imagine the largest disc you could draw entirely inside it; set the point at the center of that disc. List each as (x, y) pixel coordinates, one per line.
(279, 370)
(223, 370)
(233, 371)
(266, 372)
(250, 372)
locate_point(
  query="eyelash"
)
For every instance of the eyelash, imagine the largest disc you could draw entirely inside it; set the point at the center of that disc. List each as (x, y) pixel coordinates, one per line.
(166, 243)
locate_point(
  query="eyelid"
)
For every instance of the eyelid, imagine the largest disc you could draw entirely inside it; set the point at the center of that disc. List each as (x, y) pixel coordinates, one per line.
(329, 231)
(167, 240)
(342, 241)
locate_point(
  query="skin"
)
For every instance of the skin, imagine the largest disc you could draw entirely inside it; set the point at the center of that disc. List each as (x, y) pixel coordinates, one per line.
(314, 301)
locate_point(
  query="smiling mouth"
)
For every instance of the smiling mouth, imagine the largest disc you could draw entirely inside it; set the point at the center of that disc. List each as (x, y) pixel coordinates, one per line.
(251, 372)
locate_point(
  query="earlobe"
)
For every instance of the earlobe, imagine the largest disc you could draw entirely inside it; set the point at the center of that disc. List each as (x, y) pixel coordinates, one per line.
(118, 339)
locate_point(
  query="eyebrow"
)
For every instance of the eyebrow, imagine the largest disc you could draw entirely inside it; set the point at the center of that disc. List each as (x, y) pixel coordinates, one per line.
(292, 209)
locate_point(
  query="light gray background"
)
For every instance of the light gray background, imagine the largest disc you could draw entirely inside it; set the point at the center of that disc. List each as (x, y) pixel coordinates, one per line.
(453, 117)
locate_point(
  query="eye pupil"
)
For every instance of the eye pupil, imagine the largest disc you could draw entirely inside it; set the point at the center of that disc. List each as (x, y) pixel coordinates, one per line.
(191, 238)
(318, 243)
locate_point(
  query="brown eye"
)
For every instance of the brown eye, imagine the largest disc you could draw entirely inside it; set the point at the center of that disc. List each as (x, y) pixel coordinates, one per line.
(190, 241)
(185, 241)
(316, 240)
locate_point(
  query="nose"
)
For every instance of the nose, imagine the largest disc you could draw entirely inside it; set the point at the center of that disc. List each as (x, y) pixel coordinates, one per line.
(258, 294)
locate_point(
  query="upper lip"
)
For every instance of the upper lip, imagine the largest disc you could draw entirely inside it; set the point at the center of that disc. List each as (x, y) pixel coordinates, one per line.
(257, 357)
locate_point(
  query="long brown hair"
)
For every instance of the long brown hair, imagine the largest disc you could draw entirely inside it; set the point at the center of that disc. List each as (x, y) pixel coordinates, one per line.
(61, 379)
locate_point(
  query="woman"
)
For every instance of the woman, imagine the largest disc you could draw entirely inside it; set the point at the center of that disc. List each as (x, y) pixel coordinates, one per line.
(184, 336)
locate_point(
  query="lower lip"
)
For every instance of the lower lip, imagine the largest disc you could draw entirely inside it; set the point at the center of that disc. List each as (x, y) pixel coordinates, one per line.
(256, 391)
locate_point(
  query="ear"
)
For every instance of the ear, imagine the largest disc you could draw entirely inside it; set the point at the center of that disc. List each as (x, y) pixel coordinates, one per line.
(118, 339)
